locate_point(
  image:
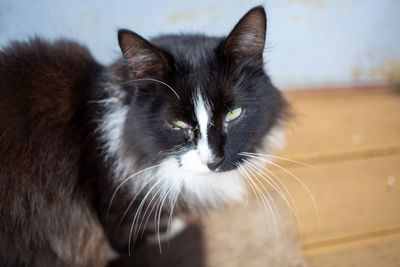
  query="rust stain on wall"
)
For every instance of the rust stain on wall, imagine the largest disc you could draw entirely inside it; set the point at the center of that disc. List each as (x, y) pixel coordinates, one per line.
(389, 70)
(182, 15)
(191, 14)
(356, 73)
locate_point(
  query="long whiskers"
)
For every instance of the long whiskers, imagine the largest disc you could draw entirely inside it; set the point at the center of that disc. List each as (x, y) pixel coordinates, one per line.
(173, 202)
(135, 218)
(143, 220)
(277, 157)
(135, 197)
(242, 180)
(244, 175)
(291, 175)
(257, 191)
(265, 193)
(160, 207)
(151, 80)
(279, 181)
(271, 183)
(127, 179)
(292, 210)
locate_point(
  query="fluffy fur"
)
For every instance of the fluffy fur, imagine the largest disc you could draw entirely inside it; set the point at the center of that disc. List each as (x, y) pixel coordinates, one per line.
(90, 153)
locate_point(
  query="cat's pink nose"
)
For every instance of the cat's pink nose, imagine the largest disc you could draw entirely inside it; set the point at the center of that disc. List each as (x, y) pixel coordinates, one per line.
(205, 160)
(214, 163)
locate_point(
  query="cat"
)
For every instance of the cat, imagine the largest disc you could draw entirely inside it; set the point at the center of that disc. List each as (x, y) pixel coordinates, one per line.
(96, 158)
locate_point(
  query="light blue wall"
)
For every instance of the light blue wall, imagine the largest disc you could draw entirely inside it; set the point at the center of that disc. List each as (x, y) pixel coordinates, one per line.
(309, 42)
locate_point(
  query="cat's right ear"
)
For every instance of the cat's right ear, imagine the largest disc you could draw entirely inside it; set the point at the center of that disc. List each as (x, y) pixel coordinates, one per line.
(247, 39)
(144, 59)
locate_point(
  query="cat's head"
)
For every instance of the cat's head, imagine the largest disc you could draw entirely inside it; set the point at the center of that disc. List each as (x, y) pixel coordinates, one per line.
(195, 103)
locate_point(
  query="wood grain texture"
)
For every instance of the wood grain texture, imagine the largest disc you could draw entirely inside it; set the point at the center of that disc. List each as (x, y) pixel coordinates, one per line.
(351, 196)
(245, 235)
(379, 251)
(352, 140)
(341, 122)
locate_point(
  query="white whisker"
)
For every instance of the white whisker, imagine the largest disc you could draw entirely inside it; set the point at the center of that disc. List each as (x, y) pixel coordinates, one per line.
(137, 214)
(144, 220)
(273, 207)
(298, 180)
(244, 172)
(257, 192)
(296, 214)
(126, 180)
(174, 199)
(152, 80)
(237, 164)
(279, 181)
(277, 157)
(159, 214)
(271, 183)
(137, 194)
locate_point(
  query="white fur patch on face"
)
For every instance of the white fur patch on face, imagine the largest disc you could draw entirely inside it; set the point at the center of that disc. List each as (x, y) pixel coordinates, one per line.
(190, 176)
(191, 162)
(203, 117)
(112, 127)
(196, 160)
(210, 190)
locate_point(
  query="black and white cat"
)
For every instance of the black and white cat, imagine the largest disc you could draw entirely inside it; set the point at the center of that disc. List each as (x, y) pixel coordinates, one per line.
(91, 156)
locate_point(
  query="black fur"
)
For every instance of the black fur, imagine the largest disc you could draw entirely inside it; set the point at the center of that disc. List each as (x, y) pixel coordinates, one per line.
(229, 73)
(56, 178)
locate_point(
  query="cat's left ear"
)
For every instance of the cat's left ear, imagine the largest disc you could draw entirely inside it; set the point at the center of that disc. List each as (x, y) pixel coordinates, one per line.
(145, 59)
(247, 38)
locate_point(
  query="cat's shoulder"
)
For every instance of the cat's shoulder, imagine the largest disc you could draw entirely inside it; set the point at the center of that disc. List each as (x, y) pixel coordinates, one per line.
(18, 56)
(39, 76)
(44, 63)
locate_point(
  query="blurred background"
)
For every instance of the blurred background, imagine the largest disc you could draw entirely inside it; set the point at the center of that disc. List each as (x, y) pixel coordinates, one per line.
(309, 42)
(338, 62)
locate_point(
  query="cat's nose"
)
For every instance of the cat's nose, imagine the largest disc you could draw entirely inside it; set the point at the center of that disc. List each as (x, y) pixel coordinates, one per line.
(214, 163)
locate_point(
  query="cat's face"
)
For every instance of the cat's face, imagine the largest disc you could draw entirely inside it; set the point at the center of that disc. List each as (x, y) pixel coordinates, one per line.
(197, 102)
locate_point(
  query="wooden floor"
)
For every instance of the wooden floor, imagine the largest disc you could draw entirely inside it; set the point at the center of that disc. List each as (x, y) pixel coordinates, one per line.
(352, 140)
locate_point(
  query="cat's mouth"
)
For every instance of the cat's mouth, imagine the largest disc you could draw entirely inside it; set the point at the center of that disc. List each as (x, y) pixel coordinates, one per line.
(199, 168)
(197, 172)
(193, 166)
(194, 162)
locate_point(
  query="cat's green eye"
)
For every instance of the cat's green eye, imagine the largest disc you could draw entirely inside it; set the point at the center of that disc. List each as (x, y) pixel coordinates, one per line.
(180, 125)
(233, 114)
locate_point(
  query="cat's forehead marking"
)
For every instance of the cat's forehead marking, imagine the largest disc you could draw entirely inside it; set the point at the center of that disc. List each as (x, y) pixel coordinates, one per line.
(203, 115)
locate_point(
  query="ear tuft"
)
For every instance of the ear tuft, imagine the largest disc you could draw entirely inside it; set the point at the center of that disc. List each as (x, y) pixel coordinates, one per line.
(247, 39)
(144, 59)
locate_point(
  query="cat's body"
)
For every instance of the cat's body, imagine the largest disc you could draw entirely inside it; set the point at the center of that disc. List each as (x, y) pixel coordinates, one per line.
(89, 153)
